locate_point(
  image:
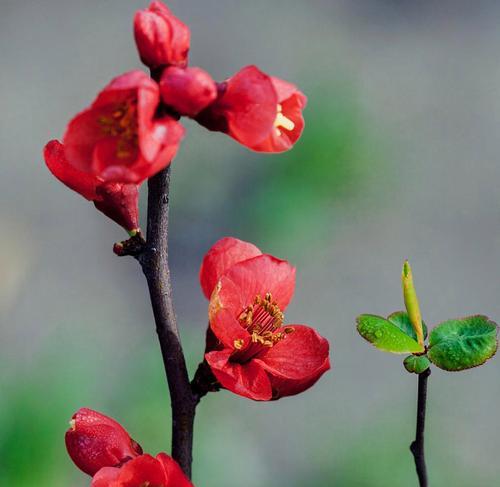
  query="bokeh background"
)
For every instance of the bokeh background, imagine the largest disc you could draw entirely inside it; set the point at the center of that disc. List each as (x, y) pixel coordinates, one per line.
(400, 158)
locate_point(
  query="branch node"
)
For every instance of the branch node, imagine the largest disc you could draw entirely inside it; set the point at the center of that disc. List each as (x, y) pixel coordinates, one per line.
(204, 381)
(134, 246)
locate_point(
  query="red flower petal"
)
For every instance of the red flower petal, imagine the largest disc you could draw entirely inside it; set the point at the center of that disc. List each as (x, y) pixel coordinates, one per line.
(127, 85)
(79, 181)
(296, 362)
(143, 470)
(291, 102)
(248, 380)
(82, 134)
(161, 471)
(169, 134)
(242, 282)
(104, 162)
(222, 255)
(151, 137)
(226, 328)
(95, 441)
(106, 477)
(173, 472)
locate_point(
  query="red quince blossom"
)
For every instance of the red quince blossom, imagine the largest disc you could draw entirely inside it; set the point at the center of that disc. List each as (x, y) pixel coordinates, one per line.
(95, 441)
(256, 355)
(119, 139)
(161, 38)
(116, 200)
(187, 90)
(262, 112)
(145, 470)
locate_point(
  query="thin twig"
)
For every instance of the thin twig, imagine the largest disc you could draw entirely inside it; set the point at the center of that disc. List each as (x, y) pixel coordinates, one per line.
(154, 262)
(417, 446)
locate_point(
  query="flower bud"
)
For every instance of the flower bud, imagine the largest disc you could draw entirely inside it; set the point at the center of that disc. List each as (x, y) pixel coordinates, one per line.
(188, 91)
(95, 441)
(161, 38)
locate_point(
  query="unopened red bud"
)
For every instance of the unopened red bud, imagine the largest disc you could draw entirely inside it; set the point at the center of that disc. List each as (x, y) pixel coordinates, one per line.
(95, 441)
(118, 249)
(161, 38)
(188, 91)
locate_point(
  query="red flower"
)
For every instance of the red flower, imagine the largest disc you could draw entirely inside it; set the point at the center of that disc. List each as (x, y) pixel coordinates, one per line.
(118, 139)
(145, 470)
(261, 112)
(187, 90)
(95, 441)
(116, 200)
(257, 356)
(161, 38)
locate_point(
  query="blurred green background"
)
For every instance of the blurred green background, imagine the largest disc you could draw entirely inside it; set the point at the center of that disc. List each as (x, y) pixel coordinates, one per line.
(399, 159)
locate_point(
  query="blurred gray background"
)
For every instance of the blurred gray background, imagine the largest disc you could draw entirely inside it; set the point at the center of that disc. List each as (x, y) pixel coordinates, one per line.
(399, 159)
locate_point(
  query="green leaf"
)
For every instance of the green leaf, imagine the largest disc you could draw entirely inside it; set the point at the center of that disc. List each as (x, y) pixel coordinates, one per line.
(402, 321)
(416, 364)
(463, 343)
(385, 335)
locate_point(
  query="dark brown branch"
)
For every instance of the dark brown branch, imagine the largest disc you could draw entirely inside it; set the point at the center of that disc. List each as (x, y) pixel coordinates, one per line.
(154, 262)
(417, 446)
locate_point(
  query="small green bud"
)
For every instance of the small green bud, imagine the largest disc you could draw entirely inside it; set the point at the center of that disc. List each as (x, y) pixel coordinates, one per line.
(411, 302)
(416, 364)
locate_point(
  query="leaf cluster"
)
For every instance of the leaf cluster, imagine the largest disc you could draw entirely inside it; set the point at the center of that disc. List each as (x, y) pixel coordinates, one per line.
(453, 345)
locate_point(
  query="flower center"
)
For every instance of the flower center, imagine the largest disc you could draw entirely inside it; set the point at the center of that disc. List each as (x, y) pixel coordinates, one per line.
(261, 319)
(282, 121)
(122, 123)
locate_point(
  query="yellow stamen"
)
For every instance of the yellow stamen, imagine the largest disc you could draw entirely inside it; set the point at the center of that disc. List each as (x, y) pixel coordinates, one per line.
(282, 121)
(263, 320)
(122, 123)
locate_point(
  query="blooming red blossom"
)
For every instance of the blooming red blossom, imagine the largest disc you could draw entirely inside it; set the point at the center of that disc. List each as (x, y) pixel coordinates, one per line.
(116, 200)
(187, 90)
(161, 38)
(257, 356)
(145, 470)
(261, 112)
(95, 441)
(119, 138)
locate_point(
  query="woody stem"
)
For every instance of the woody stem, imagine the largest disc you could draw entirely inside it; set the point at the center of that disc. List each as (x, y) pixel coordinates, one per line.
(417, 446)
(154, 262)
